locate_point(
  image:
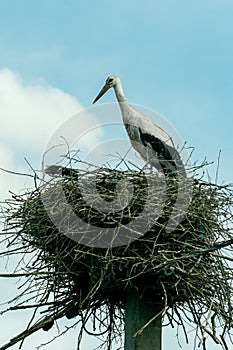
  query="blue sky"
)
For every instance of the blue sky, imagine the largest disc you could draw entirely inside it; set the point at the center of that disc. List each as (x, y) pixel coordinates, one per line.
(175, 57)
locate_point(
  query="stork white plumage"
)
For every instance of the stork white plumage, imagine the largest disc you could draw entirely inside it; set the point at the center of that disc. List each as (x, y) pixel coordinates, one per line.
(152, 142)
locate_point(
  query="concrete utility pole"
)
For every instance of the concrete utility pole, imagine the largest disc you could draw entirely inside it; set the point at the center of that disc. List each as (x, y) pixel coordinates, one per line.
(139, 312)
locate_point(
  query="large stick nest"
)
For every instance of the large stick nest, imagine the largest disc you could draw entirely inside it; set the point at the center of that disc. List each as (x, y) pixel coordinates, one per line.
(183, 269)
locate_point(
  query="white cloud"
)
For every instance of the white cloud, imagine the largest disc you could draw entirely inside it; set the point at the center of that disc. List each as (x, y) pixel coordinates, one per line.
(12, 182)
(30, 114)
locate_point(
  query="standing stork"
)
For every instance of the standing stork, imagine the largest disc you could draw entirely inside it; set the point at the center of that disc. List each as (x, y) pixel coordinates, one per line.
(152, 142)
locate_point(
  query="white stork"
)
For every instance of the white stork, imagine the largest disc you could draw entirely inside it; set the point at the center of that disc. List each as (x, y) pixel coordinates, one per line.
(153, 143)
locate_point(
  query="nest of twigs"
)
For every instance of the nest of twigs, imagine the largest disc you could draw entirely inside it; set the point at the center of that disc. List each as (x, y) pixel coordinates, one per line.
(183, 268)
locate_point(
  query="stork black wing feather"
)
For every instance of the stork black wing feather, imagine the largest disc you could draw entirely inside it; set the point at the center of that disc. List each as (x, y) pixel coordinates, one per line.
(164, 152)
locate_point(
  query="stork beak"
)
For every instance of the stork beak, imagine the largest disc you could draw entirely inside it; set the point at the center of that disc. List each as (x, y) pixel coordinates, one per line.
(102, 92)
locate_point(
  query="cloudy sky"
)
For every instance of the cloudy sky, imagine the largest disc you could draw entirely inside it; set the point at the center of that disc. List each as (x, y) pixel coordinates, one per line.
(174, 57)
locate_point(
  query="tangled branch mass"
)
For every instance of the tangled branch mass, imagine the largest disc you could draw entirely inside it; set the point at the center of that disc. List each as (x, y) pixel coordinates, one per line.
(187, 269)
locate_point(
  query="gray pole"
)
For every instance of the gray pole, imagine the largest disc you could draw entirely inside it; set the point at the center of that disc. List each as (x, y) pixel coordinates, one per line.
(139, 312)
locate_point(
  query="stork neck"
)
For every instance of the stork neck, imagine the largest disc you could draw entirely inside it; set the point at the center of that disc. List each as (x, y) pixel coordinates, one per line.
(119, 93)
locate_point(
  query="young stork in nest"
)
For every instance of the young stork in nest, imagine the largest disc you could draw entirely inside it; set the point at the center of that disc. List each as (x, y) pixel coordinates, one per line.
(152, 142)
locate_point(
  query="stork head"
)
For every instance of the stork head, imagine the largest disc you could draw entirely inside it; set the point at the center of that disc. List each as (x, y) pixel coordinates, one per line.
(111, 81)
